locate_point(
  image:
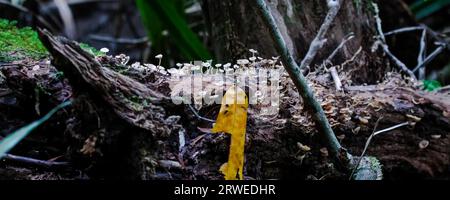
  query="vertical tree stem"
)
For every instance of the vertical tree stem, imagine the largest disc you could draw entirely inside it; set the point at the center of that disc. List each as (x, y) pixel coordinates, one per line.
(299, 80)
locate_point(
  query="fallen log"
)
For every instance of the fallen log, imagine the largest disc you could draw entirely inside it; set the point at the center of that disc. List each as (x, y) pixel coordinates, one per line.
(119, 123)
(286, 146)
(110, 134)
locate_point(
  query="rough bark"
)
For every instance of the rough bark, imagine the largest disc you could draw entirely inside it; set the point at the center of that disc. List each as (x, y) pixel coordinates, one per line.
(275, 146)
(118, 122)
(236, 26)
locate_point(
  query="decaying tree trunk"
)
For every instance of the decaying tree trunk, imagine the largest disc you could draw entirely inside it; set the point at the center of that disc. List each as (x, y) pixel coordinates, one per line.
(119, 123)
(236, 26)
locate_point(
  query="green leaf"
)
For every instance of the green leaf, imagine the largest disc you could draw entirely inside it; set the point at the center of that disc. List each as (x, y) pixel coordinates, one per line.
(14, 138)
(160, 15)
(431, 85)
(153, 23)
(425, 8)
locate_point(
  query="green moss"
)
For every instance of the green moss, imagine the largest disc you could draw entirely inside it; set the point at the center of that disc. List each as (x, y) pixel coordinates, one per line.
(370, 168)
(91, 50)
(19, 43)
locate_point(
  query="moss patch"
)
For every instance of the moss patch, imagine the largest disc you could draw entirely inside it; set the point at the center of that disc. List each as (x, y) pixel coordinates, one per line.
(91, 50)
(19, 43)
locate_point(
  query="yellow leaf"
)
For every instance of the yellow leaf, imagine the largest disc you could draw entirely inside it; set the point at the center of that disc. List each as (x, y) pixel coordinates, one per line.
(232, 119)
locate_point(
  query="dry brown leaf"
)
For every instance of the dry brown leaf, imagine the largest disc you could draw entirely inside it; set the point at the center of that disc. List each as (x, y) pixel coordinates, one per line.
(89, 146)
(363, 120)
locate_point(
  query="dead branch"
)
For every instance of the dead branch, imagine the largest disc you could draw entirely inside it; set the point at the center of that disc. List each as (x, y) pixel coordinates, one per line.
(336, 79)
(422, 54)
(198, 115)
(117, 93)
(385, 47)
(397, 61)
(294, 70)
(35, 162)
(319, 40)
(341, 45)
(433, 55)
(402, 30)
(133, 41)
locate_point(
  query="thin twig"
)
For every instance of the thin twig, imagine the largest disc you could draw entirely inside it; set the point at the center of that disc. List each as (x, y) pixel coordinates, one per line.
(352, 58)
(391, 128)
(431, 57)
(422, 61)
(5, 92)
(341, 45)
(35, 162)
(365, 147)
(443, 89)
(378, 21)
(336, 79)
(370, 140)
(319, 40)
(402, 30)
(422, 55)
(294, 70)
(436, 36)
(133, 41)
(385, 47)
(399, 63)
(198, 116)
(51, 5)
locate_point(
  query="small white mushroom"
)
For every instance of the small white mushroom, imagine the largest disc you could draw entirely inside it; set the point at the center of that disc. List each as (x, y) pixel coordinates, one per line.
(436, 136)
(424, 144)
(173, 71)
(332, 3)
(159, 57)
(104, 50)
(206, 64)
(150, 67)
(242, 62)
(136, 65)
(195, 68)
